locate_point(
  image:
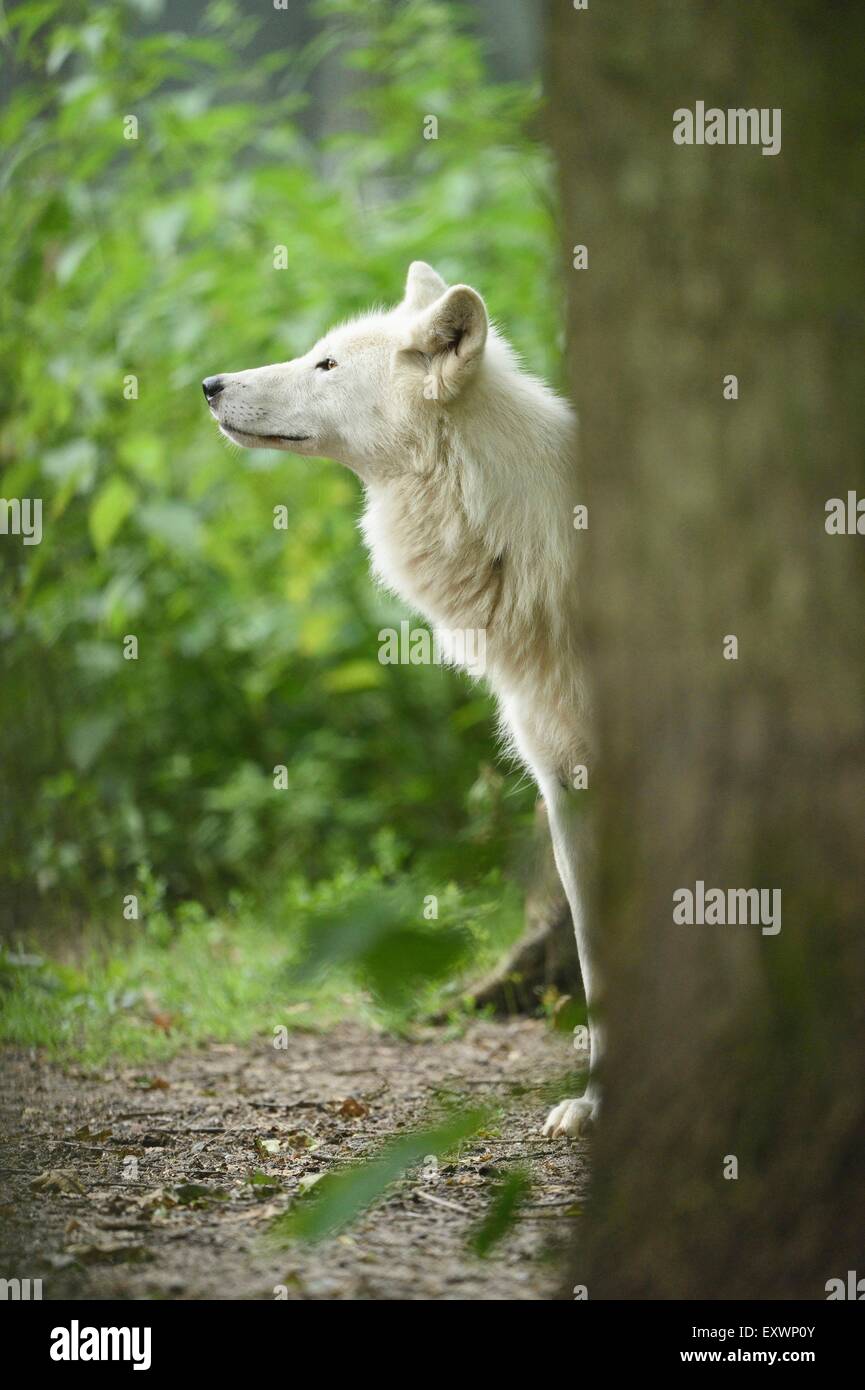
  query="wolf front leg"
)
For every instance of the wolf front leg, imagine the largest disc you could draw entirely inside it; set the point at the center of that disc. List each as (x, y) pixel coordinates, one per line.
(571, 846)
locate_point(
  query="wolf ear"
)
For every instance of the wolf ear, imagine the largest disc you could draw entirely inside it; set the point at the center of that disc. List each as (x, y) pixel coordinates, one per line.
(451, 333)
(423, 285)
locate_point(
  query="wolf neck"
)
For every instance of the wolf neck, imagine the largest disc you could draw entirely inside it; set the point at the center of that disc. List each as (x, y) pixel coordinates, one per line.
(475, 529)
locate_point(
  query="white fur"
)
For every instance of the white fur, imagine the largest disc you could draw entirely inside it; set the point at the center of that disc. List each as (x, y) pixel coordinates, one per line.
(468, 467)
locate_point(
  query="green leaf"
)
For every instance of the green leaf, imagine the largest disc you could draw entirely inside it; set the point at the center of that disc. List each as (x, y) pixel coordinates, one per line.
(341, 1196)
(354, 675)
(501, 1216)
(382, 934)
(175, 524)
(109, 510)
(88, 736)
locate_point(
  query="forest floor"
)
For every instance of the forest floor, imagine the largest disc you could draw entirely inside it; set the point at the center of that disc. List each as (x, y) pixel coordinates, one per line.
(123, 1183)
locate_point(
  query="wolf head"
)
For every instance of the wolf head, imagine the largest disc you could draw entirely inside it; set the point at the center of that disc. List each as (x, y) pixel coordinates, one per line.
(367, 386)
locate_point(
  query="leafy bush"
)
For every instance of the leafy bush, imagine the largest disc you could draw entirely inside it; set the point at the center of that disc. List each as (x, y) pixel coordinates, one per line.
(131, 269)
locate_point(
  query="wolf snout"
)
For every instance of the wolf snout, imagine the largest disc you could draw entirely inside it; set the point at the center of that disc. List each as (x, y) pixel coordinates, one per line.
(211, 386)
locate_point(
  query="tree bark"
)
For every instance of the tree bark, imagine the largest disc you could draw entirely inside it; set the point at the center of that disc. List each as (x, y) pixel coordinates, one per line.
(706, 521)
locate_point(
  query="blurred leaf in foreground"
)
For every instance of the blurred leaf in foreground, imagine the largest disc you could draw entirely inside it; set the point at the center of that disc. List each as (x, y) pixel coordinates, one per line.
(382, 934)
(341, 1196)
(501, 1216)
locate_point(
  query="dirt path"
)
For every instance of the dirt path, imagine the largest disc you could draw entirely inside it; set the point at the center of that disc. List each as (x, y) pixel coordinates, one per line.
(156, 1167)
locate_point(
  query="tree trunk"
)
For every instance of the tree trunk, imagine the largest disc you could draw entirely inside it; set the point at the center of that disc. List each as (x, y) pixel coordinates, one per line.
(729, 1048)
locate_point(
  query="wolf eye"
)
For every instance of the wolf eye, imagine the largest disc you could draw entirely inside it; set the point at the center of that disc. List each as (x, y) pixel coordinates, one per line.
(327, 364)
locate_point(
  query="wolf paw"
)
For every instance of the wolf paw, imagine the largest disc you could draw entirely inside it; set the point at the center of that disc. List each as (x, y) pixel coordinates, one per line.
(571, 1117)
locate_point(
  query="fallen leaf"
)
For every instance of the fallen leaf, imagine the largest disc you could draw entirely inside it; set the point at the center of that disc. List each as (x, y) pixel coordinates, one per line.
(266, 1148)
(307, 1183)
(263, 1185)
(299, 1140)
(193, 1194)
(57, 1180)
(157, 1200)
(97, 1136)
(352, 1108)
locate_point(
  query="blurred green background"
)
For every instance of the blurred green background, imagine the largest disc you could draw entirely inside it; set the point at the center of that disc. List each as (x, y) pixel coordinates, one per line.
(132, 268)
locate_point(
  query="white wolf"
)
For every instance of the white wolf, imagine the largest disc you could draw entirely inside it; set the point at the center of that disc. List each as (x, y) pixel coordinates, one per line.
(468, 467)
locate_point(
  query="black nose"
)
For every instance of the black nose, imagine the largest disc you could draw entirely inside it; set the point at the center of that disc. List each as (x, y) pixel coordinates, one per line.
(211, 386)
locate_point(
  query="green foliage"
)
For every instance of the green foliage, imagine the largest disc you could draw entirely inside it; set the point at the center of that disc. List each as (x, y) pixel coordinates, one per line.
(341, 1196)
(381, 931)
(503, 1212)
(174, 984)
(174, 979)
(132, 268)
(152, 259)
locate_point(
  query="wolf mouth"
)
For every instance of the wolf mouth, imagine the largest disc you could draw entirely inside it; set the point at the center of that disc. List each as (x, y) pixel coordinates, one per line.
(266, 438)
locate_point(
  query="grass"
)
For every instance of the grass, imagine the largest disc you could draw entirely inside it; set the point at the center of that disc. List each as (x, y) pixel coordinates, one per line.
(173, 982)
(215, 980)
